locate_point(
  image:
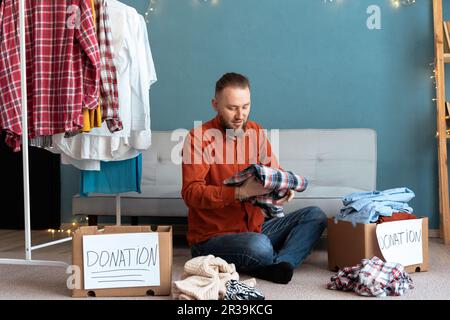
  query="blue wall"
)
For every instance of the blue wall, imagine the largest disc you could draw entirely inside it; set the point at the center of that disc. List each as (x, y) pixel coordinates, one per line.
(312, 65)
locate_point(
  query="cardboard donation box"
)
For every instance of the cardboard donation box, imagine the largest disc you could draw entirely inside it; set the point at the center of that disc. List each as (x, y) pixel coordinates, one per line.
(122, 261)
(404, 242)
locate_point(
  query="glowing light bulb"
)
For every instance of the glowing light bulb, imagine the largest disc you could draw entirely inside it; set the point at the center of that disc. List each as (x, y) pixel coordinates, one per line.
(395, 3)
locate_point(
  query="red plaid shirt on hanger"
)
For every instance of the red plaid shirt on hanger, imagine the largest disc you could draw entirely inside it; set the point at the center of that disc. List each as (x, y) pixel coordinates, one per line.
(108, 76)
(63, 67)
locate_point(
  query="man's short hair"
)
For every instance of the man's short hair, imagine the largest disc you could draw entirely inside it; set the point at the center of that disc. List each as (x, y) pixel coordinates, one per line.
(232, 79)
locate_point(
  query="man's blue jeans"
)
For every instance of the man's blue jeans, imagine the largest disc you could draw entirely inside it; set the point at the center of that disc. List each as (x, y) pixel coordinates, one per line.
(288, 239)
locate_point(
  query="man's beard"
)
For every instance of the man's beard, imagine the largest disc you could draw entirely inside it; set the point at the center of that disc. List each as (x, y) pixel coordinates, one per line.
(226, 126)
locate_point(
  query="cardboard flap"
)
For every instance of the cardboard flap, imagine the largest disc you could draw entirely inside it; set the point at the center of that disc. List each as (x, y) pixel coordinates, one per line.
(127, 229)
(88, 230)
(164, 229)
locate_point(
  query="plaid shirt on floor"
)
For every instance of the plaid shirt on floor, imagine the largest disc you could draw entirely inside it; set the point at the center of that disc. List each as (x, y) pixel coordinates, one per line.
(374, 278)
(109, 97)
(273, 179)
(63, 67)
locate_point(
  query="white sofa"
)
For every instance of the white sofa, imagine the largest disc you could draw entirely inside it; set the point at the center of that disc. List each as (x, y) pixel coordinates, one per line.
(335, 161)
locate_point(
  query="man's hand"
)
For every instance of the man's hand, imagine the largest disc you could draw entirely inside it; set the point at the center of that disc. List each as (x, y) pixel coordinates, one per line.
(250, 188)
(288, 197)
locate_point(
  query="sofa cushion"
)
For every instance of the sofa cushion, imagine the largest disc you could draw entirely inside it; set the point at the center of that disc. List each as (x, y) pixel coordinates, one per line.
(329, 157)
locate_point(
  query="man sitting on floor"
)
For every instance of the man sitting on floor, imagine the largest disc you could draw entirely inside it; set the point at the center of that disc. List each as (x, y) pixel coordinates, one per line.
(221, 220)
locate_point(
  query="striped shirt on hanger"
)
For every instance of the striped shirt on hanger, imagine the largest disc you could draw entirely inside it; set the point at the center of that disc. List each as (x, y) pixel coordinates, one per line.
(109, 96)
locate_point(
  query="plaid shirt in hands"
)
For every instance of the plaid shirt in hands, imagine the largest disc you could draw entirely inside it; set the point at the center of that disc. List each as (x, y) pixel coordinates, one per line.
(372, 277)
(273, 179)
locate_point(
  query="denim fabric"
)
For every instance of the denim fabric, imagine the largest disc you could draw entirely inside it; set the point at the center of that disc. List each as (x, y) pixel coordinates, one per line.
(366, 207)
(396, 194)
(361, 204)
(371, 211)
(289, 239)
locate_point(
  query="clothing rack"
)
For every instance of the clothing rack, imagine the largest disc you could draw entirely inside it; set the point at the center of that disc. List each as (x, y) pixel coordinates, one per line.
(25, 159)
(26, 190)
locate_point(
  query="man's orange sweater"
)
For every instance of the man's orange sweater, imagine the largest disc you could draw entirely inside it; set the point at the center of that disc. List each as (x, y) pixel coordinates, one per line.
(213, 209)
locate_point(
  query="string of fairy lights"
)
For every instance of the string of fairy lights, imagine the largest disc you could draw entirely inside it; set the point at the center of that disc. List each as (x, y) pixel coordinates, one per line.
(394, 3)
(433, 76)
(398, 3)
(69, 228)
(152, 4)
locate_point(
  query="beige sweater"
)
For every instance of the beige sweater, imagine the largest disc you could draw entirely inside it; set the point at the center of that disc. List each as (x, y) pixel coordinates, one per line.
(205, 278)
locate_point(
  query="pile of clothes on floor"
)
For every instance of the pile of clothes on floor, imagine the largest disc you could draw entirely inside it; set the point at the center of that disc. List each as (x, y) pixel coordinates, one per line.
(212, 278)
(373, 278)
